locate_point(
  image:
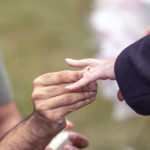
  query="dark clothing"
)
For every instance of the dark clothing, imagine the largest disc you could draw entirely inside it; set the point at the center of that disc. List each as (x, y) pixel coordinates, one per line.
(132, 70)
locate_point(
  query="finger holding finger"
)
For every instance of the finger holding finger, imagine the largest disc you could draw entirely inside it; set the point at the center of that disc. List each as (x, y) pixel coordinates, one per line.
(56, 90)
(66, 99)
(87, 78)
(103, 72)
(82, 82)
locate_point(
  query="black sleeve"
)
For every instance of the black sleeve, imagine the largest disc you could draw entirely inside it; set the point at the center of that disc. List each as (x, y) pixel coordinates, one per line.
(132, 70)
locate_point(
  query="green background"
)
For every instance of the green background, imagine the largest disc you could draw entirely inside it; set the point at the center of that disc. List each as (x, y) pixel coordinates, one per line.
(37, 36)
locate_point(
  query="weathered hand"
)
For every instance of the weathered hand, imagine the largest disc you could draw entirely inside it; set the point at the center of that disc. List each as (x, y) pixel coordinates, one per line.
(53, 101)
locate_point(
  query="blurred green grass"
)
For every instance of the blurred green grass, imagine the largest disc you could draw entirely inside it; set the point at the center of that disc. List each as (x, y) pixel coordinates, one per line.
(37, 36)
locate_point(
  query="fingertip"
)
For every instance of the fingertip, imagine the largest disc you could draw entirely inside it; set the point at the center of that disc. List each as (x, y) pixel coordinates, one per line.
(73, 87)
(69, 87)
(120, 97)
(69, 125)
(78, 140)
(68, 59)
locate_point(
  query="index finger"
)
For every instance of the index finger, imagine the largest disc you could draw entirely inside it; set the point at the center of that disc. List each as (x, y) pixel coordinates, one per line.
(58, 78)
(87, 78)
(82, 82)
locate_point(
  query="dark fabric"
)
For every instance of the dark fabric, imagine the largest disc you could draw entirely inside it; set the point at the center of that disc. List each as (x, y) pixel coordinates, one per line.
(132, 70)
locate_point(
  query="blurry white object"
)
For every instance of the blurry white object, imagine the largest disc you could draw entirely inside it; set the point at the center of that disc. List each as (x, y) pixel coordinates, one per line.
(122, 111)
(60, 140)
(117, 24)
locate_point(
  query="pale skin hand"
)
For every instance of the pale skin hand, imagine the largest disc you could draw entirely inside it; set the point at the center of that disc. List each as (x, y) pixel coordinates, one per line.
(100, 69)
(52, 103)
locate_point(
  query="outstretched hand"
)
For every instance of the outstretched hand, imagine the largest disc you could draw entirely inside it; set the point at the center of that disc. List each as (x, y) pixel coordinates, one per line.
(100, 69)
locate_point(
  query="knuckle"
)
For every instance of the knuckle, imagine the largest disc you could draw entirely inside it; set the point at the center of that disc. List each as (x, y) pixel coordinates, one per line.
(75, 75)
(70, 75)
(39, 109)
(36, 82)
(59, 124)
(55, 118)
(33, 95)
(60, 121)
(36, 95)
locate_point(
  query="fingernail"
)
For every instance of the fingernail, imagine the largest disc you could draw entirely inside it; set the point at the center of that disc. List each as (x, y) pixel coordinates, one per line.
(69, 86)
(93, 93)
(68, 59)
(92, 85)
(68, 147)
(92, 98)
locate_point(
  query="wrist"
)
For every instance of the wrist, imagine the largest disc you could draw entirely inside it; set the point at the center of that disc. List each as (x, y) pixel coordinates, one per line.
(44, 126)
(39, 126)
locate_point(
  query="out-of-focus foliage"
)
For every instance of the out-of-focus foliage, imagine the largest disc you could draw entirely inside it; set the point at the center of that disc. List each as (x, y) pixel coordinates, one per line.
(37, 36)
